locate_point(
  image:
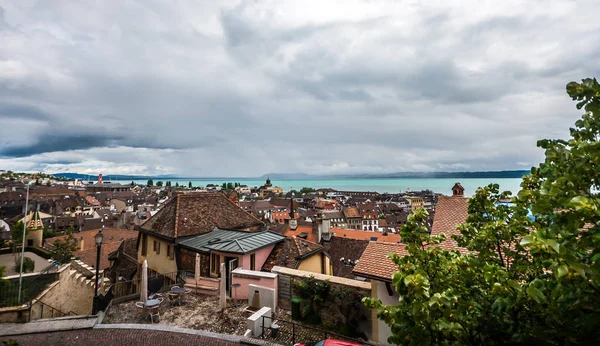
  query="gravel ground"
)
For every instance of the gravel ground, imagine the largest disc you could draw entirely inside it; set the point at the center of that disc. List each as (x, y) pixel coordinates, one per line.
(200, 312)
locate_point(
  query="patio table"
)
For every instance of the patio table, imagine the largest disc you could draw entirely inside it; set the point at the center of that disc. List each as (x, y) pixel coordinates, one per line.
(151, 306)
(179, 293)
(151, 303)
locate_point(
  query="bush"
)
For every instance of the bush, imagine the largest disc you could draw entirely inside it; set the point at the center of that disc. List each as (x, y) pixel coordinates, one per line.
(28, 265)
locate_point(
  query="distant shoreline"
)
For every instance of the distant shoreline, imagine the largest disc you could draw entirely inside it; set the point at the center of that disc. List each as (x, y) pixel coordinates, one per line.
(299, 176)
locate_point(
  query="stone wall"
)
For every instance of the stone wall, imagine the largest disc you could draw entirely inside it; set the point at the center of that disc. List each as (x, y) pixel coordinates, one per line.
(331, 308)
(73, 292)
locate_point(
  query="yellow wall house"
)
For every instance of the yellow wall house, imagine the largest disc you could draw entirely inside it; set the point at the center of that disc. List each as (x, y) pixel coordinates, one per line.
(35, 230)
(185, 216)
(301, 254)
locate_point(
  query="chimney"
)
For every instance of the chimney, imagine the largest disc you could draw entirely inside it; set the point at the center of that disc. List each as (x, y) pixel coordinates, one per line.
(81, 244)
(293, 222)
(324, 230)
(100, 178)
(458, 190)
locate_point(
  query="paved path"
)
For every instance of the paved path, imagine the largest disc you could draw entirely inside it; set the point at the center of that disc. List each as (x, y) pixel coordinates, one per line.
(116, 337)
(84, 331)
(46, 325)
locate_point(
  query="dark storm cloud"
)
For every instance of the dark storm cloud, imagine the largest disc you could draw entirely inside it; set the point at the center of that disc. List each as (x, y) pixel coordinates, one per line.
(11, 111)
(245, 88)
(48, 143)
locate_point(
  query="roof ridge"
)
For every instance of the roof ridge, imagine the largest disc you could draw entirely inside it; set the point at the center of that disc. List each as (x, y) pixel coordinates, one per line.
(176, 215)
(230, 201)
(295, 239)
(240, 245)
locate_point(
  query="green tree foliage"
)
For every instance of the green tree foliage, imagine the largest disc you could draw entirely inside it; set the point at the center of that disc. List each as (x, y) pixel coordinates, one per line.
(28, 265)
(526, 280)
(17, 235)
(63, 249)
(176, 184)
(48, 233)
(168, 184)
(190, 185)
(294, 192)
(230, 186)
(159, 183)
(307, 190)
(150, 182)
(224, 186)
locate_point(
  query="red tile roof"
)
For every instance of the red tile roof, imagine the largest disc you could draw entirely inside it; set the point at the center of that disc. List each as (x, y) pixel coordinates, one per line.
(450, 212)
(312, 237)
(111, 242)
(198, 213)
(352, 212)
(365, 235)
(290, 253)
(375, 263)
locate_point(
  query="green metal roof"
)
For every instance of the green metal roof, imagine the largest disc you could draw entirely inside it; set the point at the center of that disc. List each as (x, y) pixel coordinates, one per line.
(225, 240)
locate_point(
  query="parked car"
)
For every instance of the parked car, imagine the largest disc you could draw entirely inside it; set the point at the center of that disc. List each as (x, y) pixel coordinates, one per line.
(330, 342)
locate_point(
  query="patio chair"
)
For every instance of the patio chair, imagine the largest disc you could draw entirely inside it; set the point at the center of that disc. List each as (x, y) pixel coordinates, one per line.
(173, 298)
(154, 310)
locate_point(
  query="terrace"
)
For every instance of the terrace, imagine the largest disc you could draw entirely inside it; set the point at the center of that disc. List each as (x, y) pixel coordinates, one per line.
(200, 312)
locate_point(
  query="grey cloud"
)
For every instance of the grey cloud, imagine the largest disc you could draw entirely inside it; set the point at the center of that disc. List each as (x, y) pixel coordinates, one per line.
(212, 89)
(48, 143)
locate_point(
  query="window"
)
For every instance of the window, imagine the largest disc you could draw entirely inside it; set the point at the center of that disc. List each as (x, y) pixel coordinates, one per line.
(144, 244)
(171, 251)
(252, 262)
(215, 265)
(157, 246)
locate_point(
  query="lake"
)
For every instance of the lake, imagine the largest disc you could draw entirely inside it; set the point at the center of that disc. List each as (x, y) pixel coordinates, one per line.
(390, 185)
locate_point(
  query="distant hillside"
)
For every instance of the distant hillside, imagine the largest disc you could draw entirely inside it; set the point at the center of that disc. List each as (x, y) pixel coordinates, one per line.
(107, 177)
(405, 175)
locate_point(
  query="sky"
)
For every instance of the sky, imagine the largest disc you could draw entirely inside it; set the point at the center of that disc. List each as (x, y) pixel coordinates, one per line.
(244, 88)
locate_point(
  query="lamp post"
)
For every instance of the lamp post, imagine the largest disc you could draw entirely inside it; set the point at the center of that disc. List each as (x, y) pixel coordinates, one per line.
(23, 247)
(98, 238)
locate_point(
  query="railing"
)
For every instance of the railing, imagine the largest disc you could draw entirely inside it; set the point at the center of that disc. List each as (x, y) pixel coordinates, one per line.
(290, 333)
(51, 311)
(156, 283)
(30, 288)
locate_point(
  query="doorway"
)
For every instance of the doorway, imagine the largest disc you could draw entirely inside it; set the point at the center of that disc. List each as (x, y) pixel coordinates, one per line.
(230, 264)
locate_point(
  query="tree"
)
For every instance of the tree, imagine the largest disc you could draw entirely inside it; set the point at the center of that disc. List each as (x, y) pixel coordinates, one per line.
(17, 235)
(190, 184)
(224, 186)
(132, 183)
(150, 182)
(63, 250)
(307, 190)
(48, 233)
(294, 192)
(28, 265)
(528, 279)
(176, 184)
(229, 186)
(159, 183)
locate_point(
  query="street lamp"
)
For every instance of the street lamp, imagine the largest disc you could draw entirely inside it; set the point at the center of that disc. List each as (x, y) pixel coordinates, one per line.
(98, 238)
(23, 245)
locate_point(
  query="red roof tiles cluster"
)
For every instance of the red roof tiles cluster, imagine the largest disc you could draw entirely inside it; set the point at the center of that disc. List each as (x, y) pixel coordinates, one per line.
(290, 253)
(111, 242)
(198, 213)
(375, 262)
(450, 212)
